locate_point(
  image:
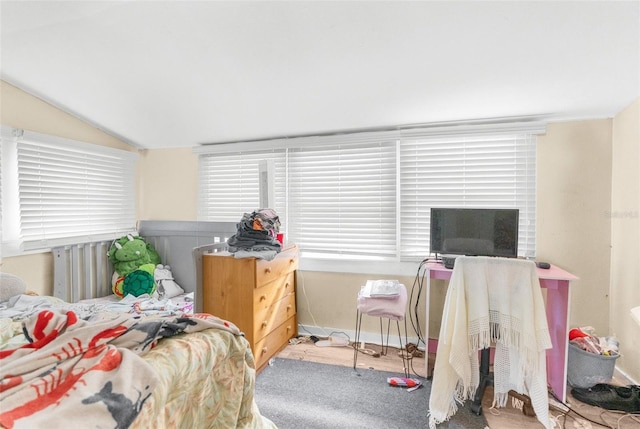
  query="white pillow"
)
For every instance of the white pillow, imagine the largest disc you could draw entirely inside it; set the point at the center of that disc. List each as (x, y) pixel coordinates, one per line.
(11, 285)
(166, 286)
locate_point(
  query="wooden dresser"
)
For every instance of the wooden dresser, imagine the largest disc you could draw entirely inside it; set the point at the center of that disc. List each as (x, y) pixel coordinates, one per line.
(256, 295)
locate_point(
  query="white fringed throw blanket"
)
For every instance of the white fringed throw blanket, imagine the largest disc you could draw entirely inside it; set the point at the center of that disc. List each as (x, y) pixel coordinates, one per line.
(491, 300)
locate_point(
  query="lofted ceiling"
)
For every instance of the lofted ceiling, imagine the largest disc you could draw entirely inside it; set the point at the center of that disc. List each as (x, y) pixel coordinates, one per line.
(161, 74)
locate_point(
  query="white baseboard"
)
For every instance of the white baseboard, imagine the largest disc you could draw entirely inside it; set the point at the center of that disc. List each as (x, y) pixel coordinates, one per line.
(366, 336)
(626, 376)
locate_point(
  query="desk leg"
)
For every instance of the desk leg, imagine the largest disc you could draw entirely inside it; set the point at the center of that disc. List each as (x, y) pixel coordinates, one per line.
(427, 296)
(558, 319)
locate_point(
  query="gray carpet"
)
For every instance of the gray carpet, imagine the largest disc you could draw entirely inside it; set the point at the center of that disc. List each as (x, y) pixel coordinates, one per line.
(297, 394)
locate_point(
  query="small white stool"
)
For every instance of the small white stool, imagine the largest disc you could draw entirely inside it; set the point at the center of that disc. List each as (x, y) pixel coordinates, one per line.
(390, 308)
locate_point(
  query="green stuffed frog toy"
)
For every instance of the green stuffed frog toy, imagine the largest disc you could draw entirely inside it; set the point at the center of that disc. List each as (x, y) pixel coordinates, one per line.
(132, 256)
(129, 252)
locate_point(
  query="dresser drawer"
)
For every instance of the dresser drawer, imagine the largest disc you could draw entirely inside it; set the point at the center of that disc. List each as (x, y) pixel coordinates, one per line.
(268, 318)
(265, 296)
(285, 262)
(272, 343)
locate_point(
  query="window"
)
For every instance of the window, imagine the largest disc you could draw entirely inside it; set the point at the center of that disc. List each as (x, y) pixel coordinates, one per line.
(62, 191)
(367, 196)
(342, 197)
(466, 171)
(229, 185)
(340, 190)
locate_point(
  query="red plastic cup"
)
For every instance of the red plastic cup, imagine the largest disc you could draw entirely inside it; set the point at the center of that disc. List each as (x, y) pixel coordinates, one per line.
(280, 237)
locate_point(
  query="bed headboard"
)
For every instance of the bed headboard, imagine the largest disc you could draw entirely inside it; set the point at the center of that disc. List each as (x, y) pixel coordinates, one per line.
(83, 270)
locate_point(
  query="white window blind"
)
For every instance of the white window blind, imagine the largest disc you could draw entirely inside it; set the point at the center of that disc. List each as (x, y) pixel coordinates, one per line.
(465, 171)
(343, 198)
(368, 195)
(228, 184)
(70, 190)
(335, 195)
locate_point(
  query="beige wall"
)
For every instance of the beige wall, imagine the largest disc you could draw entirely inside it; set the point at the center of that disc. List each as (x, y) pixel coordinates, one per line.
(575, 224)
(169, 183)
(328, 300)
(625, 237)
(21, 110)
(573, 198)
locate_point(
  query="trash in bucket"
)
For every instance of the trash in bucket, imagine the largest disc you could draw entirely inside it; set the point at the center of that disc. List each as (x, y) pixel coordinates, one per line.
(591, 359)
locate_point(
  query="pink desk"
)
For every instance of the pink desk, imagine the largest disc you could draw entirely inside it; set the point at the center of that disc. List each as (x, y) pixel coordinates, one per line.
(556, 281)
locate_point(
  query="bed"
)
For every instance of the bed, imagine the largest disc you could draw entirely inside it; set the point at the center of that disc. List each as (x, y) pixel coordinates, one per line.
(67, 362)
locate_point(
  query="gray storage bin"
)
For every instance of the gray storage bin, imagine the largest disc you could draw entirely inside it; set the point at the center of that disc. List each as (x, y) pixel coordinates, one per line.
(585, 369)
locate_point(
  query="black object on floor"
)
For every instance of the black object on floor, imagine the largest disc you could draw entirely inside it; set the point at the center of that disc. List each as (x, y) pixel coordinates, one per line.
(610, 397)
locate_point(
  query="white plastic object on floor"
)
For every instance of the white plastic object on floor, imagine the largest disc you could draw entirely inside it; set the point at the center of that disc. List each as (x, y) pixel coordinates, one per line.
(333, 342)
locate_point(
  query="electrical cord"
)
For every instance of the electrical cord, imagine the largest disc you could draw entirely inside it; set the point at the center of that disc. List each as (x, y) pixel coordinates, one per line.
(306, 297)
(567, 413)
(417, 290)
(414, 317)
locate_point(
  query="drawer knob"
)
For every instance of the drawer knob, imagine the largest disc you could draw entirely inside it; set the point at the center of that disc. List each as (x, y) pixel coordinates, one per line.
(288, 307)
(263, 297)
(264, 324)
(267, 270)
(264, 350)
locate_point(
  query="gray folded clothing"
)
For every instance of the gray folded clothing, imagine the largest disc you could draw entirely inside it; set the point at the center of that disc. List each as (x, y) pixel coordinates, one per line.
(256, 238)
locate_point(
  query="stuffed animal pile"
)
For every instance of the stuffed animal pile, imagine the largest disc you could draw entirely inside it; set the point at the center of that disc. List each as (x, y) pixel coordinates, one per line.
(139, 271)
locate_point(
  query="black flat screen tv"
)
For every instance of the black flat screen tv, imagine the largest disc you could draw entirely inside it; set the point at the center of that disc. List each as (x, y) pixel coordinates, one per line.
(474, 232)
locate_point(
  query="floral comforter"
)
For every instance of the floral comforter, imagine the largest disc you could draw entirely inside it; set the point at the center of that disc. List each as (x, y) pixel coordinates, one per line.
(115, 370)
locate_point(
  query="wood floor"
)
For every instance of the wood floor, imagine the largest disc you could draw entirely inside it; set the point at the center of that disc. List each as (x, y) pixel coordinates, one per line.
(503, 418)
